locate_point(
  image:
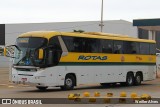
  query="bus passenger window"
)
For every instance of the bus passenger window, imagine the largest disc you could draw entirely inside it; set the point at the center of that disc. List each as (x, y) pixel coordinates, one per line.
(144, 48)
(118, 49)
(107, 46)
(69, 42)
(152, 49)
(130, 47)
(78, 44)
(135, 47)
(91, 45)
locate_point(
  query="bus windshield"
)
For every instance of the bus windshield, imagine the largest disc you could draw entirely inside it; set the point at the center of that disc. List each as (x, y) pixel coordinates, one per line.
(27, 55)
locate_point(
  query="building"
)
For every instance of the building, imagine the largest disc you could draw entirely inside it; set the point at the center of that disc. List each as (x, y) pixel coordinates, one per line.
(149, 29)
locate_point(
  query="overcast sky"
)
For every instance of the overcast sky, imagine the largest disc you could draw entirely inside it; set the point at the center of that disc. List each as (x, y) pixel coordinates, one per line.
(34, 11)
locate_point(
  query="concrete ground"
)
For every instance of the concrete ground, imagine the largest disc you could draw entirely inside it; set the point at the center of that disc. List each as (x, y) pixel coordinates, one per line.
(9, 90)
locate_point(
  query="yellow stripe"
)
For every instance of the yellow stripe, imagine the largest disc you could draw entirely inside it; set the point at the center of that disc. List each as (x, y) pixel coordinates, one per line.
(74, 57)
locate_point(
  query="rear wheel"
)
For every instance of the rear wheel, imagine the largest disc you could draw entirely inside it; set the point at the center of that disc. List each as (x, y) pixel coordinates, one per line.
(138, 79)
(69, 83)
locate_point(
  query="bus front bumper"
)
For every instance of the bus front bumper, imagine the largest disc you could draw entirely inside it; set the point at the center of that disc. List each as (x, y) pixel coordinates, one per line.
(29, 78)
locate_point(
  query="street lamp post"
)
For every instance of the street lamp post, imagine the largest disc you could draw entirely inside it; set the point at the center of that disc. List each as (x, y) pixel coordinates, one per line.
(101, 24)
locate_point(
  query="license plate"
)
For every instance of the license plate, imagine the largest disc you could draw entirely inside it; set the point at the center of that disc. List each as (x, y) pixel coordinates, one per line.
(24, 79)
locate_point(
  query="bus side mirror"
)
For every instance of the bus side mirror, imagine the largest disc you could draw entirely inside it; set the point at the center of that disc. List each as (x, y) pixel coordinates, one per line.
(5, 51)
(40, 54)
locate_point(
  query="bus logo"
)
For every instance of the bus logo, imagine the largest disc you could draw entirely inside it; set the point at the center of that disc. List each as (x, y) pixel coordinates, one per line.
(82, 57)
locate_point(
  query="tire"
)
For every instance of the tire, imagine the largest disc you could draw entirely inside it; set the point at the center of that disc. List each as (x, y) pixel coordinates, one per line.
(130, 79)
(138, 79)
(69, 83)
(42, 88)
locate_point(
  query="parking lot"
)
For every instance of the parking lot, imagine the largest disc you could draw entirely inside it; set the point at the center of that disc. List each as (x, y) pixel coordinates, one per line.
(9, 90)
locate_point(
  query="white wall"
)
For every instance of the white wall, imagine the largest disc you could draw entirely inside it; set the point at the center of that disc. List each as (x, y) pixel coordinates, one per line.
(4, 62)
(113, 26)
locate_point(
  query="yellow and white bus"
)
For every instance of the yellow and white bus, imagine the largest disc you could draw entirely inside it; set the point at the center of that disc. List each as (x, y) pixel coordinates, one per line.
(63, 59)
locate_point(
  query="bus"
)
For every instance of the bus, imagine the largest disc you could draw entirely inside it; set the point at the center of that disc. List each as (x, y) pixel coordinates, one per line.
(67, 59)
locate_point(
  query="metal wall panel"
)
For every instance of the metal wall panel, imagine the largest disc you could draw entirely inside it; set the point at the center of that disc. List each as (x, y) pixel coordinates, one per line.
(2, 34)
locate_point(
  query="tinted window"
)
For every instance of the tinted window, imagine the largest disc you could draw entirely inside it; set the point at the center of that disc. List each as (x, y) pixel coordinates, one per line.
(55, 42)
(152, 49)
(144, 48)
(130, 47)
(118, 47)
(74, 44)
(69, 43)
(107, 46)
(79, 44)
(91, 45)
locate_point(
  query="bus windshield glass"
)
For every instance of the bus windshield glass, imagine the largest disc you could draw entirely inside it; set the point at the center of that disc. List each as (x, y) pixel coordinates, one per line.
(27, 55)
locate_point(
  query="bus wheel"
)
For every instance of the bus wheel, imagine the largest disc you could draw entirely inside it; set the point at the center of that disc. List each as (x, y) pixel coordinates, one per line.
(130, 79)
(69, 83)
(138, 79)
(42, 88)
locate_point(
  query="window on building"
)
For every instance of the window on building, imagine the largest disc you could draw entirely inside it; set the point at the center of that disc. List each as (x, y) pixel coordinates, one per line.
(143, 34)
(157, 41)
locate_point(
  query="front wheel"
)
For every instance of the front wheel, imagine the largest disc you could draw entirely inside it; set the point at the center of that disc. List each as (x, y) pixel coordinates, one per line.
(69, 83)
(130, 79)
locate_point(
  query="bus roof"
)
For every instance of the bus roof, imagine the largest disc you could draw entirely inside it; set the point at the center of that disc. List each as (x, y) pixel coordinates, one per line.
(107, 34)
(98, 35)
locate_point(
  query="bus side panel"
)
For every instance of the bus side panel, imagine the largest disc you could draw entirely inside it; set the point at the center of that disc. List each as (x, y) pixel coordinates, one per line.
(55, 75)
(107, 74)
(97, 74)
(151, 73)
